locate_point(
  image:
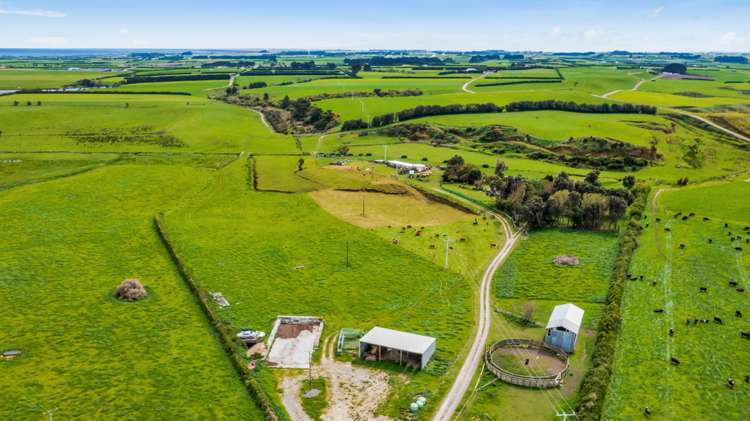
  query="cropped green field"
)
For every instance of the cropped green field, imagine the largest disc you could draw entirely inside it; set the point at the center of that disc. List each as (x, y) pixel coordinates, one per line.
(66, 245)
(709, 353)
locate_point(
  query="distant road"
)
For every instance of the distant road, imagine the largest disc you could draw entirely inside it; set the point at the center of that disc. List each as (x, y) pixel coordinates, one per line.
(463, 380)
(712, 124)
(634, 88)
(466, 85)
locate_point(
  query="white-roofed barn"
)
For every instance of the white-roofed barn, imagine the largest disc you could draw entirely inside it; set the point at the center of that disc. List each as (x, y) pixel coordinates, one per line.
(393, 345)
(563, 327)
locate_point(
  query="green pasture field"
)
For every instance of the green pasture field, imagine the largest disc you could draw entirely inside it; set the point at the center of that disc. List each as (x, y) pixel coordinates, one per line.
(66, 245)
(414, 152)
(276, 253)
(670, 100)
(704, 199)
(368, 107)
(279, 173)
(639, 129)
(723, 75)
(531, 274)
(272, 80)
(201, 125)
(709, 354)
(705, 88)
(332, 142)
(469, 257)
(343, 85)
(193, 87)
(38, 79)
(19, 169)
(530, 73)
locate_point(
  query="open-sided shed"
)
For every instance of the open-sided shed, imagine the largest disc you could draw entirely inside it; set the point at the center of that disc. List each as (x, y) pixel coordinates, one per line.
(563, 327)
(393, 345)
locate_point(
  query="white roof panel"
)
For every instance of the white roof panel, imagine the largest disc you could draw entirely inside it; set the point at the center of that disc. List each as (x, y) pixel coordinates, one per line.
(409, 342)
(568, 316)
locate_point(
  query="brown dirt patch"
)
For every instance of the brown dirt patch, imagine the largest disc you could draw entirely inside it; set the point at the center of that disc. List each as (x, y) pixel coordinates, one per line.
(540, 362)
(382, 209)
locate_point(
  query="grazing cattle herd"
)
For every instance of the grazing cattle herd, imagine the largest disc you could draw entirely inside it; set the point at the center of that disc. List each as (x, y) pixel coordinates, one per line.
(732, 283)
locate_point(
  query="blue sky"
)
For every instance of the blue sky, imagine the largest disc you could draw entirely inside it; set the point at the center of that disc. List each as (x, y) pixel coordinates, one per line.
(562, 25)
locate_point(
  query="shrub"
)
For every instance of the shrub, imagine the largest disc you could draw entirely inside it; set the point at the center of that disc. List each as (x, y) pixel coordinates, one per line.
(130, 290)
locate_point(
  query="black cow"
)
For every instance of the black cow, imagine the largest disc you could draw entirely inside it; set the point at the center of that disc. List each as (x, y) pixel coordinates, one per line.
(740, 289)
(738, 249)
(703, 289)
(658, 219)
(653, 283)
(745, 335)
(641, 277)
(692, 214)
(659, 310)
(687, 322)
(705, 219)
(747, 379)
(684, 218)
(732, 283)
(667, 229)
(718, 320)
(738, 313)
(675, 361)
(726, 225)
(677, 214)
(671, 332)
(647, 412)
(730, 383)
(682, 246)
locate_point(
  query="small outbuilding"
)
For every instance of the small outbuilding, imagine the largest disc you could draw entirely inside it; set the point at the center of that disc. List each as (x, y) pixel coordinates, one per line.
(381, 344)
(563, 327)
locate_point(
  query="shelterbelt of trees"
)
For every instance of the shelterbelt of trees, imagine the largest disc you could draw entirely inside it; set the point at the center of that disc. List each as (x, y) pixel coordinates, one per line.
(550, 202)
(552, 105)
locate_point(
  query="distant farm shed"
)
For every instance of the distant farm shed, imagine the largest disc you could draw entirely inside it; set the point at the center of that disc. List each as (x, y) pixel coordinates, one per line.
(393, 345)
(563, 327)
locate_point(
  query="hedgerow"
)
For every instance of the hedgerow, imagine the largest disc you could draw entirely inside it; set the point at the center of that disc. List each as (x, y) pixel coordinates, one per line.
(595, 383)
(273, 411)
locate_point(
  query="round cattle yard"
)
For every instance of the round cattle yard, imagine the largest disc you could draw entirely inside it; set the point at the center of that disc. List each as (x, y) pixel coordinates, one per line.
(528, 363)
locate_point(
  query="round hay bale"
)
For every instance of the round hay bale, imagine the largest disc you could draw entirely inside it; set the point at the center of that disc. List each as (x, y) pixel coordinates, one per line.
(566, 260)
(130, 290)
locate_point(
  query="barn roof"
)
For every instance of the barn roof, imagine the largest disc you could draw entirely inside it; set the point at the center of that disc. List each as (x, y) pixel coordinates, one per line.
(568, 316)
(394, 339)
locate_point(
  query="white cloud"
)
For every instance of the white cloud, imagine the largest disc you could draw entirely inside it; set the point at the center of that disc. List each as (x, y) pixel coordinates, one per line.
(48, 42)
(592, 34)
(124, 30)
(556, 30)
(730, 38)
(656, 12)
(34, 12)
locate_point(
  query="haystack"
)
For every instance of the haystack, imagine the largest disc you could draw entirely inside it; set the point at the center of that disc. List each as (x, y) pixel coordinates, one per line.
(566, 260)
(130, 290)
